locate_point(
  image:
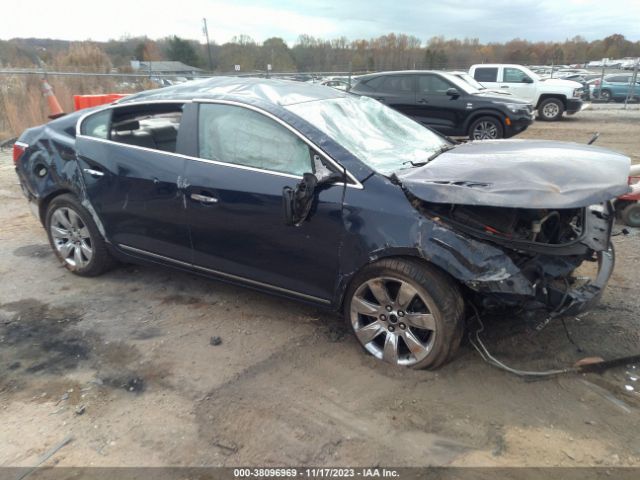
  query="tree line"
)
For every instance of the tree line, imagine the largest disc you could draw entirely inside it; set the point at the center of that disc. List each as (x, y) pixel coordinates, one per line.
(387, 52)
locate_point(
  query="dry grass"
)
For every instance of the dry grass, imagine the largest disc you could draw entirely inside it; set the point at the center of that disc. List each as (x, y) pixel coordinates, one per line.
(22, 104)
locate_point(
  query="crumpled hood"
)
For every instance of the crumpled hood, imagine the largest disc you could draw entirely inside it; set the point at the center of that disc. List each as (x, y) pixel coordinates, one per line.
(520, 174)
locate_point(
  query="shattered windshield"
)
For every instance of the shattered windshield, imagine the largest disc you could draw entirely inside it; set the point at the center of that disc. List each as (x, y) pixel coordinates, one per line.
(379, 136)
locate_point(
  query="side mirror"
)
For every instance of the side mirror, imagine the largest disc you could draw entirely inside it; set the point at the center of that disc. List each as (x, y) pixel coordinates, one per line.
(527, 80)
(453, 92)
(297, 202)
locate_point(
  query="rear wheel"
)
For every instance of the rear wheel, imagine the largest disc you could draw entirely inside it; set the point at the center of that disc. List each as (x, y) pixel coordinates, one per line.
(551, 109)
(75, 238)
(486, 128)
(406, 313)
(631, 215)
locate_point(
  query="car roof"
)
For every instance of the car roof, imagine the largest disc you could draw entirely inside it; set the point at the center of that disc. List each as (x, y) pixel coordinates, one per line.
(276, 92)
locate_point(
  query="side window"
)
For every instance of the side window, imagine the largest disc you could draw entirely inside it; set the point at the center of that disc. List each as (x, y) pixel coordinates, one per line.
(486, 74)
(241, 136)
(152, 126)
(374, 83)
(397, 84)
(514, 75)
(619, 79)
(97, 125)
(432, 85)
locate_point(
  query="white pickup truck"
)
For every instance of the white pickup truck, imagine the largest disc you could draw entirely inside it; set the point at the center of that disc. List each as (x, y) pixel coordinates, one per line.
(551, 97)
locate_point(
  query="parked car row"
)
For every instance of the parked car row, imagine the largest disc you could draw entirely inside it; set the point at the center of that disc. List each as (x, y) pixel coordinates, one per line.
(615, 87)
(448, 104)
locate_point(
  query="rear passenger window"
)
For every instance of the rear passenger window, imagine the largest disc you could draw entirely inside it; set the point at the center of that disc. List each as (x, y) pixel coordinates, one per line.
(241, 136)
(486, 74)
(97, 125)
(153, 126)
(374, 83)
(397, 84)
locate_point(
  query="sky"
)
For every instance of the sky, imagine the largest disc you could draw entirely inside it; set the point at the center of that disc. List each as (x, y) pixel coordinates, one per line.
(491, 20)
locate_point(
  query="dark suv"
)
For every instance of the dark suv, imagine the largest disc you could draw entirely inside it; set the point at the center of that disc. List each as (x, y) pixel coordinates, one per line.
(448, 104)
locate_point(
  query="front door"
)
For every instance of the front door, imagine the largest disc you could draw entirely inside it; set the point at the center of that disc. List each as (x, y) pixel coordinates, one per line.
(518, 83)
(435, 108)
(235, 206)
(131, 173)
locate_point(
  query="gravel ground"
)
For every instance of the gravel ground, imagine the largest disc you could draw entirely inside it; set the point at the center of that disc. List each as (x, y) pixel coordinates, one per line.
(124, 363)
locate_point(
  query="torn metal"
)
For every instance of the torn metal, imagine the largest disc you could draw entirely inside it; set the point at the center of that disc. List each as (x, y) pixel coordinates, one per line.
(520, 174)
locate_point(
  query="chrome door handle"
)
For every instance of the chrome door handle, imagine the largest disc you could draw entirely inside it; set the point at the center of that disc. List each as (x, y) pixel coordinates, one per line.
(504, 86)
(93, 173)
(203, 198)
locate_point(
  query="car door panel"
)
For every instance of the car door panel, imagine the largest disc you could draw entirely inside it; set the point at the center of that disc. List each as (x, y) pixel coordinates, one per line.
(436, 109)
(247, 159)
(135, 194)
(514, 82)
(397, 92)
(243, 233)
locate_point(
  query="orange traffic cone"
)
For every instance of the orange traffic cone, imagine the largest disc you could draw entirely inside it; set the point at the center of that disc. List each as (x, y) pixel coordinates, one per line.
(55, 110)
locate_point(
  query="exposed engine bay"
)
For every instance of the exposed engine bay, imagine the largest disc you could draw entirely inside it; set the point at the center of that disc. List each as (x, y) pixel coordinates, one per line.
(544, 246)
(543, 226)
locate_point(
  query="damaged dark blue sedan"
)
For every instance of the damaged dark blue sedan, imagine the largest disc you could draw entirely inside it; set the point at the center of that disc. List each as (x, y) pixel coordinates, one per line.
(330, 198)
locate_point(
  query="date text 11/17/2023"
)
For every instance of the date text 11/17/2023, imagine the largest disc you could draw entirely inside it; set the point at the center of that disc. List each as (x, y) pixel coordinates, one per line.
(318, 472)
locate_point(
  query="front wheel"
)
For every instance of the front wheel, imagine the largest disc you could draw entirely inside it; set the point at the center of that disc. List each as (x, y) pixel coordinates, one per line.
(406, 313)
(551, 110)
(486, 128)
(605, 96)
(75, 238)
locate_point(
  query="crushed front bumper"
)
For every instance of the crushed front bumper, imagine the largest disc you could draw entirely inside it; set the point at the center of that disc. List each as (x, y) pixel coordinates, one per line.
(538, 279)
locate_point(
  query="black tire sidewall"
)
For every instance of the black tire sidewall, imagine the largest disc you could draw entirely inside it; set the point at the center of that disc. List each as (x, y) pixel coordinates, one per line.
(100, 256)
(487, 118)
(448, 330)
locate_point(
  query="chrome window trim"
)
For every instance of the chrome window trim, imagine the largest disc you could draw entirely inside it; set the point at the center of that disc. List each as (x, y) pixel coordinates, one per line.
(225, 275)
(356, 184)
(187, 157)
(335, 164)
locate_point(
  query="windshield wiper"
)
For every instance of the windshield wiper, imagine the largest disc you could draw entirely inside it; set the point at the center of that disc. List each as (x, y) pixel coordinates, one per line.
(440, 150)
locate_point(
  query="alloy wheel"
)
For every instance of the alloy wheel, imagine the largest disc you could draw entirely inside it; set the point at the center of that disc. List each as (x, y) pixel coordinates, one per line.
(393, 320)
(485, 131)
(550, 110)
(71, 237)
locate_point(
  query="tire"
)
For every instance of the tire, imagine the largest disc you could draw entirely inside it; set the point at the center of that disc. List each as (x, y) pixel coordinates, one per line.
(75, 238)
(605, 95)
(631, 215)
(420, 322)
(550, 110)
(486, 128)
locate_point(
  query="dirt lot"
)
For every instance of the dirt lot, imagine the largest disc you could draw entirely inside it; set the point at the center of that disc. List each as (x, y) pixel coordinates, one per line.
(124, 364)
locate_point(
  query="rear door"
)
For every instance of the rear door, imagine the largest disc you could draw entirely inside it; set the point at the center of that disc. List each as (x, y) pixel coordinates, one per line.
(235, 207)
(131, 172)
(488, 76)
(396, 91)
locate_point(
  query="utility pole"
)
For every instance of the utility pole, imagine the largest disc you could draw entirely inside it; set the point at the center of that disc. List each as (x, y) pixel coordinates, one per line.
(206, 34)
